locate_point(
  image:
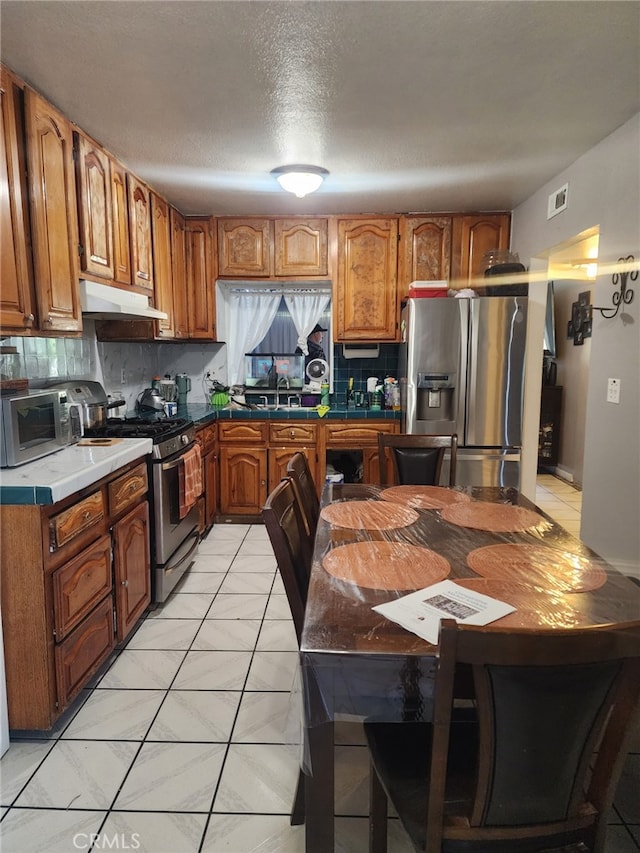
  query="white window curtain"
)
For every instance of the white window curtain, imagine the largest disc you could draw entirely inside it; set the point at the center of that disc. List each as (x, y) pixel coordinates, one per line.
(250, 316)
(306, 309)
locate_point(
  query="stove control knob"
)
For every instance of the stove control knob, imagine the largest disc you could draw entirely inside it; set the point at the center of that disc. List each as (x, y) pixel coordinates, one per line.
(184, 439)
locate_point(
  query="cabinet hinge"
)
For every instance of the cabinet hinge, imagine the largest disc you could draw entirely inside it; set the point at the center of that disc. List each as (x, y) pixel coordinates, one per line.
(80, 249)
(115, 621)
(75, 153)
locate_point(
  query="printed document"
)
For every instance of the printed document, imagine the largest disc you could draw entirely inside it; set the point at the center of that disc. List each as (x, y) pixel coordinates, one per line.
(421, 611)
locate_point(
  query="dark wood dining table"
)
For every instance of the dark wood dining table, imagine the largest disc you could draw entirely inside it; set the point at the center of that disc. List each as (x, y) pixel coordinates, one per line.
(374, 545)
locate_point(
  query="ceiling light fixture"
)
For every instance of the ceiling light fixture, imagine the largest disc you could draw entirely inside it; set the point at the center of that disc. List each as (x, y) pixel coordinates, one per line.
(299, 180)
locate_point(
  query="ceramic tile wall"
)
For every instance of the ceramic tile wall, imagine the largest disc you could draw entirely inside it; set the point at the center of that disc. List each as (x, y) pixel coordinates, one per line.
(44, 359)
(54, 358)
(386, 364)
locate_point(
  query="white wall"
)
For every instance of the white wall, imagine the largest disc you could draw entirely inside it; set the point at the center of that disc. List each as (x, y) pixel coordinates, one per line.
(604, 191)
(573, 374)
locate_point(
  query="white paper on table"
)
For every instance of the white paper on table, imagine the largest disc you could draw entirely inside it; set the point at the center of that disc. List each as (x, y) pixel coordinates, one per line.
(421, 611)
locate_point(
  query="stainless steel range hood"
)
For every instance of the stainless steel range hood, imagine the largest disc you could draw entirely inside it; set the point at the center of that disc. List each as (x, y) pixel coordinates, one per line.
(102, 301)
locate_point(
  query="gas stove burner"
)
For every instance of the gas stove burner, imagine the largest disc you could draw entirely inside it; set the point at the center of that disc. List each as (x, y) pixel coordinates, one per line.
(158, 430)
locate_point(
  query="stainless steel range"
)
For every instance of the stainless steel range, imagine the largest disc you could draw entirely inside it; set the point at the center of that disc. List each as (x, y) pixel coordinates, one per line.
(174, 540)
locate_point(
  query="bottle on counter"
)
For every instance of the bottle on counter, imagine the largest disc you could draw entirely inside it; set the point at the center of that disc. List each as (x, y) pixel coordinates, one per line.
(350, 398)
(324, 394)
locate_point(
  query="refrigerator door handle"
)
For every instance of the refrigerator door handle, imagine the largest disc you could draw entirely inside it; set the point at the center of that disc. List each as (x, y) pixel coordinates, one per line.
(472, 373)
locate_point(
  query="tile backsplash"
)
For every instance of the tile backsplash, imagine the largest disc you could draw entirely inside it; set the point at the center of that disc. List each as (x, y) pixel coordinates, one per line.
(125, 369)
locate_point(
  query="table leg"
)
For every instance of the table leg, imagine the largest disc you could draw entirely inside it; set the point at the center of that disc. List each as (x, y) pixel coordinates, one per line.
(319, 790)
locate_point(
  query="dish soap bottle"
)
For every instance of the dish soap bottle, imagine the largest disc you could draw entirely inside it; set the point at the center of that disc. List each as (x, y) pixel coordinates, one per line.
(324, 394)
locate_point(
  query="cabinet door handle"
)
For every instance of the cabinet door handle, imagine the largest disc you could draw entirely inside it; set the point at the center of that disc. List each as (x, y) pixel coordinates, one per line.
(124, 583)
(29, 318)
(86, 515)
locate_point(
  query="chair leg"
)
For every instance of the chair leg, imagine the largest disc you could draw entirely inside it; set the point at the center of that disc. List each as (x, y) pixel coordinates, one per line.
(377, 814)
(297, 811)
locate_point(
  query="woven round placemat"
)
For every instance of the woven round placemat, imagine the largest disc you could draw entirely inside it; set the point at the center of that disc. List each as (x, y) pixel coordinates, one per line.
(424, 497)
(368, 515)
(386, 565)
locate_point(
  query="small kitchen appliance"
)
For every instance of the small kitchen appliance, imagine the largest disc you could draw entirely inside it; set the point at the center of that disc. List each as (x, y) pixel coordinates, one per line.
(150, 402)
(91, 399)
(36, 423)
(183, 386)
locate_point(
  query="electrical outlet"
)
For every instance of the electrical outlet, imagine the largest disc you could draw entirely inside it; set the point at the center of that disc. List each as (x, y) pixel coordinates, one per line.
(613, 390)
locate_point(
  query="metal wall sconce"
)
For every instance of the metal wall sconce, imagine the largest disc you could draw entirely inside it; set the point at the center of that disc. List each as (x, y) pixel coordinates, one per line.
(623, 296)
(579, 326)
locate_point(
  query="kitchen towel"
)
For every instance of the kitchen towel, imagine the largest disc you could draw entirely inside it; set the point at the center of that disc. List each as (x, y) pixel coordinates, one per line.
(190, 479)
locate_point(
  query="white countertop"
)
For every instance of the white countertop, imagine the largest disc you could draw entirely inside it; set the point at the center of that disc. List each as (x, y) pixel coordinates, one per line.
(60, 474)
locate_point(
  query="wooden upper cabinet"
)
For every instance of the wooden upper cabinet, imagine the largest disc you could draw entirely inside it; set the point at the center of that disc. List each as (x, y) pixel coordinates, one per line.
(473, 236)
(53, 215)
(425, 250)
(95, 210)
(199, 279)
(17, 299)
(244, 247)
(120, 220)
(162, 272)
(366, 286)
(179, 266)
(300, 247)
(140, 231)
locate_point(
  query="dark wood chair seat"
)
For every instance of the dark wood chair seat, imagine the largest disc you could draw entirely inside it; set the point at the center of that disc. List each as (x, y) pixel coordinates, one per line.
(523, 776)
(417, 459)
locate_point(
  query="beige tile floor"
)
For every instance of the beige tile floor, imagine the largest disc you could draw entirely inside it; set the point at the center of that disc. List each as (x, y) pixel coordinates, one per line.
(183, 744)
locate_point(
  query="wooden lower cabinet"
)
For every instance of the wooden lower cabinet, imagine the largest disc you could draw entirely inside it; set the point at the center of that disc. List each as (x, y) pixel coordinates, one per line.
(75, 579)
(131, 568)
(243, 480)
(254, 456)
(279, 459)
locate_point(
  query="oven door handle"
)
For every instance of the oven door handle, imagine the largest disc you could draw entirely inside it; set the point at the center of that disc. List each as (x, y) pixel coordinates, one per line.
(169, 466)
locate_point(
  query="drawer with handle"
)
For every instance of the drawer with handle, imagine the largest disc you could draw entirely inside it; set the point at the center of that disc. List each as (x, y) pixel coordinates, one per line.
(68, 524)
(128, 489)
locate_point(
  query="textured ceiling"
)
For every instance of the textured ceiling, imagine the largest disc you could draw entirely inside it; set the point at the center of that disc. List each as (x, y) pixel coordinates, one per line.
(410, 105)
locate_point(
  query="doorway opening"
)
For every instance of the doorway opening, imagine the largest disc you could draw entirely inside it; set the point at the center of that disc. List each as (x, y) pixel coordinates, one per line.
(572, 267)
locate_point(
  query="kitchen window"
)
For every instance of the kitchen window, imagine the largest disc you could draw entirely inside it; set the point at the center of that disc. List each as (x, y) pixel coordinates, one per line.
(270, 318)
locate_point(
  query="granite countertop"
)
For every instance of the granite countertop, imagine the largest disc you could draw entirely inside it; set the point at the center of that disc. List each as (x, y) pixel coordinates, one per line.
(54, 477)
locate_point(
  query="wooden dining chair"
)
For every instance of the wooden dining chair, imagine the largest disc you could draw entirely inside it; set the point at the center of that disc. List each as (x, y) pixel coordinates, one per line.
(300, 473)
(417, 459)
(292, 546)
(293, 549)
(523, 775)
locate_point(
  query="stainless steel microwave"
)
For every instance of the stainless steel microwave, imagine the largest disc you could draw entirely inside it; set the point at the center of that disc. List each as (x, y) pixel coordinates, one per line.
(36, 424)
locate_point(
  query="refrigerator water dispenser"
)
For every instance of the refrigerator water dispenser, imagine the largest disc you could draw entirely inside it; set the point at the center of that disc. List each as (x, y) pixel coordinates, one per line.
(436, 397)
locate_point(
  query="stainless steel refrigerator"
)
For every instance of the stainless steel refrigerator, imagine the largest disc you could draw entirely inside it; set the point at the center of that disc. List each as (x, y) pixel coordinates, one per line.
(462, 371)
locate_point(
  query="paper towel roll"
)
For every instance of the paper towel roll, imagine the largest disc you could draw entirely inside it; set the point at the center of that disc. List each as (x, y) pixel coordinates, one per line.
(372, 383)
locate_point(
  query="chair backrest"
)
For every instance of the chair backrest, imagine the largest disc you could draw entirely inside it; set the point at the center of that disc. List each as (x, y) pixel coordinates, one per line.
(417, 459)
(292, 546)
(545, 701)
(298, 470)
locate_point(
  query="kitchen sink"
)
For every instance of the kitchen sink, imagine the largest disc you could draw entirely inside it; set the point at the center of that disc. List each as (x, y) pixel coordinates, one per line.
(270, 407)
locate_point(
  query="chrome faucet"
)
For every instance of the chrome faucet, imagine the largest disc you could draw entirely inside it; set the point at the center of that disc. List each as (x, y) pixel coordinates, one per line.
(280, 379)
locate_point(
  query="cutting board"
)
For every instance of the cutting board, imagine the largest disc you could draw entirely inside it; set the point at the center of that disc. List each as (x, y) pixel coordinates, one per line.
(98, 442)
